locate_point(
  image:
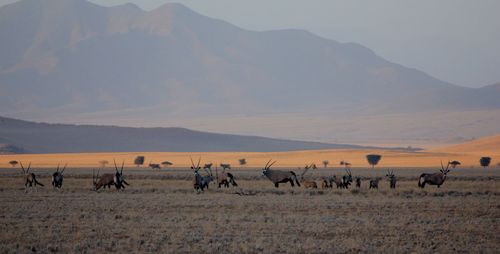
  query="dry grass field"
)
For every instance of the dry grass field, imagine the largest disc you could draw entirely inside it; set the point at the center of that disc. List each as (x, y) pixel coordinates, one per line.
(160, 212)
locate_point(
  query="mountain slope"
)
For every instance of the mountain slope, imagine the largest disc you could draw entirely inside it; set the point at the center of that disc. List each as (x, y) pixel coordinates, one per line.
(72, 56)
(486, 145)
(61, 138)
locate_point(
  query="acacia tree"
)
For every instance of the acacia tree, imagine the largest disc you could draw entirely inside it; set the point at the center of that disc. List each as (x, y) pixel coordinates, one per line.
(139, 160)
(454, 164)
(485, 161)
(373, 159)
(13, 163)
(325, 163)
(103, 163)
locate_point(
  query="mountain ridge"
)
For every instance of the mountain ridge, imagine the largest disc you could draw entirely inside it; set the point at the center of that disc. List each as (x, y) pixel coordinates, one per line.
(33, 137)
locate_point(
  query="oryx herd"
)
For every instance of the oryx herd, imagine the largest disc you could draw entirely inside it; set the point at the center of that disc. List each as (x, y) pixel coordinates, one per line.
(201, 181)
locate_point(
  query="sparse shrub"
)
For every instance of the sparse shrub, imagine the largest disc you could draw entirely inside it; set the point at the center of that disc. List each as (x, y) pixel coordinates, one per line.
(485, 161)
(167, 163)
(373, 159)
(103, 163)
(13, 163)
(242, 161)
(139, 160)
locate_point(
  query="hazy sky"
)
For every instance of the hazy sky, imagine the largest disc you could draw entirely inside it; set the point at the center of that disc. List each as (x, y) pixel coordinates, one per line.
(454, 40)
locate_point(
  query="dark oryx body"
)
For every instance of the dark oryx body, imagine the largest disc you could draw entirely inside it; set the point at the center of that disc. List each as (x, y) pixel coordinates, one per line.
(392, 179)
(374, 183)
(435, 178)
(358, 182)
(57, 177)
(278, 176)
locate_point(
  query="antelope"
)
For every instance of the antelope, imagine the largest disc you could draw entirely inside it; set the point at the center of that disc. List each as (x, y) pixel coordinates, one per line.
(225, 178)
(200, 182)
(30, 178)
(345, 181)
(392, 179)
(308, 184)
(118, 179)
(435, 178)
(57, 177)
(374, 183)
(326, 182)
(154, 166)
(278, 176)
(106, 180)
(358, 182)
(225, 166)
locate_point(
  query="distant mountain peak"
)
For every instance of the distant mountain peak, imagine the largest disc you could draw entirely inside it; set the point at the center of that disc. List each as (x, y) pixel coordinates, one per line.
(65, 58)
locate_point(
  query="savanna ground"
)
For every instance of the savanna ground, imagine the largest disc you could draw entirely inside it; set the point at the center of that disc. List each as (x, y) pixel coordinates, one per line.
(160, 212)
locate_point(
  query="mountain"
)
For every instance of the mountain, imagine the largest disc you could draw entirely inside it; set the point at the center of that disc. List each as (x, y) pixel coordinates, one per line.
(17, 136)
(74, 61)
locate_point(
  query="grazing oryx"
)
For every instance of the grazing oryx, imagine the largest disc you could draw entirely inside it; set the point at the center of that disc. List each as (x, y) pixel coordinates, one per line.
(118, 180)
(200, 182)
(225, 166)
(224, 179)
(308, 184)
(358, 182)
(434, 179)
(278, 176)
(57, 177)
(154, 166)
(30, 178)
(392, 179)
(374, 183)
(106, 180)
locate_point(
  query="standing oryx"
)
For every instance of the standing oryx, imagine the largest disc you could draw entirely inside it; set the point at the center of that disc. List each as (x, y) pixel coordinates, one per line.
(345, 181)
(224, 179)
(278, 176)
(434, 179)
(201, 182)
(57, 177)
(374, 183)
(118, 179)
(30, 178)
(308, 184)
(392, 179)
(358, 182)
